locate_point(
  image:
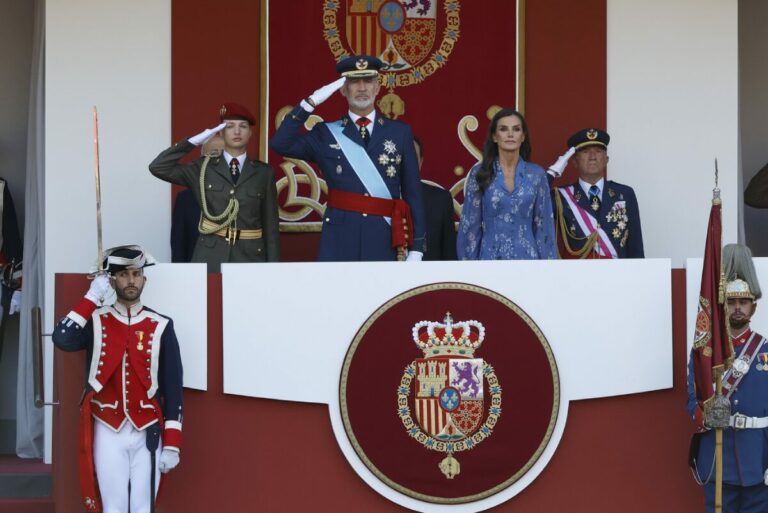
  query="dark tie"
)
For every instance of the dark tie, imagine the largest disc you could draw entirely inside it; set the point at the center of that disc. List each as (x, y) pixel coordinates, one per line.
(234, 168)
(594, 198)
(362, 123)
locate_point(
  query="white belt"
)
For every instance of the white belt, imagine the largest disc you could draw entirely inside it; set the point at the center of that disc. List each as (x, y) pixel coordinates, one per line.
(739, 421)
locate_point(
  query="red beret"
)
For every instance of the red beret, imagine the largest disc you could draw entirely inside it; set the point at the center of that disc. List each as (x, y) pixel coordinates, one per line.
(236, 111)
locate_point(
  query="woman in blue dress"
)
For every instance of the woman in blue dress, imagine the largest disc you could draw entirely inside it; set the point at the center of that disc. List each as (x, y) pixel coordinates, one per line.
(507, 212)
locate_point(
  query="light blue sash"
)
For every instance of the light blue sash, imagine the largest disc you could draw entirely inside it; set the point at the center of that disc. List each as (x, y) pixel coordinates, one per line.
(361, 163)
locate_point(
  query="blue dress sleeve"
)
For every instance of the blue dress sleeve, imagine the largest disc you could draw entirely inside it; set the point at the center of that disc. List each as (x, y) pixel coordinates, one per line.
(692, 405)
(288, 140)
(470, 233)
(544, 221)
(635, 242)
(172, 376)
(70, 336)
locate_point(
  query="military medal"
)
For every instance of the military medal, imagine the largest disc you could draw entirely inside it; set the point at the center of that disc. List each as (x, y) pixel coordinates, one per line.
(140, 345)
(763, 365)
(390, 157)
(595, 203)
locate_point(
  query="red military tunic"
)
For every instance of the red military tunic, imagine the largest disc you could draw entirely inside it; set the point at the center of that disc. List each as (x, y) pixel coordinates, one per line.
(134, 374)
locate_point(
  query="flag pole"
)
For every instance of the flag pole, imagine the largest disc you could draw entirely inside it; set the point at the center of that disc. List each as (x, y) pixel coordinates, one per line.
(719, 459)
(719, 374)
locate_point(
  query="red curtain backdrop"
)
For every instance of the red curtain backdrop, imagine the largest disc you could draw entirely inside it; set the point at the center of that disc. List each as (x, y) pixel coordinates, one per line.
(565, 77)
(454, 61)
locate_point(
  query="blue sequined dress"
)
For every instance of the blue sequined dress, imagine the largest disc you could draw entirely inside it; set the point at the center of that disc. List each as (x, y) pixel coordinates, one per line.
(501, 225)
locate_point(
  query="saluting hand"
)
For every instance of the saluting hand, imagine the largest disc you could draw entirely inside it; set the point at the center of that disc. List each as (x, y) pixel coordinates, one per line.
(558, 167)
(206, 134)
(322, 94)
(99, 289)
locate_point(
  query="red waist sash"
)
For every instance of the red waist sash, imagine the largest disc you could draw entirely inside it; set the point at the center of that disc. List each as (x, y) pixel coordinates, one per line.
(397, 209)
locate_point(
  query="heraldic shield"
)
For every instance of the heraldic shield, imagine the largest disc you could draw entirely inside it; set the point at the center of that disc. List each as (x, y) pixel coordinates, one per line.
(428, 420)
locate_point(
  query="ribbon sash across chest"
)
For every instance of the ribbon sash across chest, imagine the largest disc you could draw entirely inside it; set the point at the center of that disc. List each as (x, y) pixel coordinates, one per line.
(361, 164)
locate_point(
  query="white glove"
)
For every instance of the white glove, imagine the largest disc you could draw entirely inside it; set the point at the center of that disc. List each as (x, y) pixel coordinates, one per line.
(558, 167)
(414, 256)
(765, 478)
(322, 94)
(99, 289)
(168, 460)
(206, 134)
(15, 302)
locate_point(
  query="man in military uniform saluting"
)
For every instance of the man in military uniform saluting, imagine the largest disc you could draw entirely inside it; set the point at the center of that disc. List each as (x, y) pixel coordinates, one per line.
(594, 217)
(745, 384)
(237, 195)
(375, 209)
(131, 412)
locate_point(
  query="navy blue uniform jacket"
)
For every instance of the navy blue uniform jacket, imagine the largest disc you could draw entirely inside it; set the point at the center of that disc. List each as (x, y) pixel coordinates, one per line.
(745, 451)
(619, 216)
(351, 236)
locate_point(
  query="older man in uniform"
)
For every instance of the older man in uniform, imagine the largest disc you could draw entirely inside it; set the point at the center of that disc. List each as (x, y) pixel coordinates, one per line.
(745, 384)
(375, 209)
(594, 217)
(237, 195)
(131, 411)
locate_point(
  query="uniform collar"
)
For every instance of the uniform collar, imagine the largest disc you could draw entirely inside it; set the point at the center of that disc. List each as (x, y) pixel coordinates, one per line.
(372, 116)
(742, 339)
(122, 310)
(240, 160)
(586, 185)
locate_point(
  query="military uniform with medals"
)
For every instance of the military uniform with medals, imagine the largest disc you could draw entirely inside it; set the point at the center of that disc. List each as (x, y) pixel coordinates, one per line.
(354, 229)
(131, 411)
(745, 441)
(600, 220)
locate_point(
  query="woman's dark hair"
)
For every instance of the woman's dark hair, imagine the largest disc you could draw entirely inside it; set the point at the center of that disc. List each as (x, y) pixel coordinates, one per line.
(491, 149)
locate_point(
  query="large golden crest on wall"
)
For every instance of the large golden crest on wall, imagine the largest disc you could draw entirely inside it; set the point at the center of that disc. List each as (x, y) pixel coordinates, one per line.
(402, 33)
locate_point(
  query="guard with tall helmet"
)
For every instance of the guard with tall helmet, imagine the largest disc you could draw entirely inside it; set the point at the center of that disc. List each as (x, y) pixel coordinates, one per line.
(745, 385)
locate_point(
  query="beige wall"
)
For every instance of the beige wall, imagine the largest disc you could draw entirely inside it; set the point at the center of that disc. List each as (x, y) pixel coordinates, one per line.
(116, 56)
(673, 108)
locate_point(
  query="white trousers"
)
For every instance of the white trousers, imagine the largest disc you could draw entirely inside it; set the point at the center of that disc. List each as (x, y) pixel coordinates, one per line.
(122, 459)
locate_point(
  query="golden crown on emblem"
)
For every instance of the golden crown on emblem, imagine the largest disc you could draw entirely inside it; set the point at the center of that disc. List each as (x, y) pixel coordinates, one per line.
(448, 338)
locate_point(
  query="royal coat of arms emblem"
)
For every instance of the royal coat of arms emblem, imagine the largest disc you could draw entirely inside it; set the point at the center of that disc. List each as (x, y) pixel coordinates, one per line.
(402, 33)
(446, 390)
(427, 420)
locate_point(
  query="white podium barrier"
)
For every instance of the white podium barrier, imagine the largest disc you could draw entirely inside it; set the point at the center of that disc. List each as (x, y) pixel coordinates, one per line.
(180, 291)
(609, 324)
